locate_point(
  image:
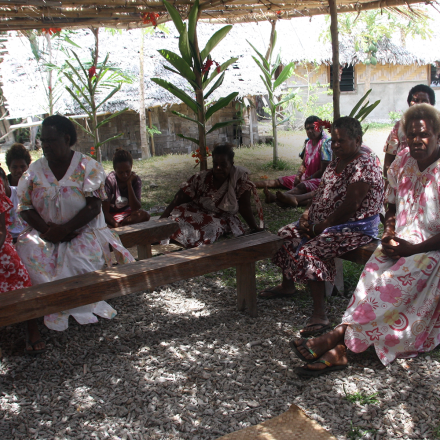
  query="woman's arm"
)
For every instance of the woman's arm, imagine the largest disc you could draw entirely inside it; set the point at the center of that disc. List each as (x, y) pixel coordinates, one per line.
(133, 201)
(321, 170)
(179, 199)
(67, 231)
(2, 229)
(301, 171)
(108, 217)
(356, 193)
(245, 209)
(34, 220)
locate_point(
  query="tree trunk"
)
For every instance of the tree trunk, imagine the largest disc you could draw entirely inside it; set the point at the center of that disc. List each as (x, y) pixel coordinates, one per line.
(272, 35)
(367, 78)
(94, 122)
(201, 113)
(335, 50)
(49, 74)
(142, 118)
(275, 139)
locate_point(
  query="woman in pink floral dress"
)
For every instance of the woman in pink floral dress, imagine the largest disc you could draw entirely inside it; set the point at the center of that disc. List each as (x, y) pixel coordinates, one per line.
(396, 305)
(207, 205)
(60, 198)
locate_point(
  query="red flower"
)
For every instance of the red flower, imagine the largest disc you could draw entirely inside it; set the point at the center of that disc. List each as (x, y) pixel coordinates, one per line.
(218, 67)
(150, 17)
(51, 31)
(207, 66)
(92, 72)
(326, 124)
(279, 12)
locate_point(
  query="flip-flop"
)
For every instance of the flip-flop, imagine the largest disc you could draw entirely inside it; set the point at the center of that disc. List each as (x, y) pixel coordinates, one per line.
(305, 372)
(271, 293)
(299, 354)
(322, 328)
(33, 352)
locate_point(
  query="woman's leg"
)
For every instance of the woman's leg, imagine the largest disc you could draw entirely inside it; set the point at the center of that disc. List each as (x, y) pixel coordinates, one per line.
(286, 288)
(33, 337)
(269, 197)
(289, 199)
(135, 217)
(319, 316)
(274, 183)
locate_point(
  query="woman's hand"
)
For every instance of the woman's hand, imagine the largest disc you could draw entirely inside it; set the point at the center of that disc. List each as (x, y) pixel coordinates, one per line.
(57, 233)
(395, 247)
(132, 177)
(297, 180)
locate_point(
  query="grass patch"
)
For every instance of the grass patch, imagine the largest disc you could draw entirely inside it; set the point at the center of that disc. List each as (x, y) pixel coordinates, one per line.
(378, 125)
(279, 165)
(436, 431)
(356, 433)
(363, 399)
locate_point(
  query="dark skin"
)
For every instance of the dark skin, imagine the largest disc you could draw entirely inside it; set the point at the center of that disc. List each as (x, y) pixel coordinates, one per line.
(346, 150)
(298, 195)
(125, 178)
(423, 145)
(17, 168)
(221, 169)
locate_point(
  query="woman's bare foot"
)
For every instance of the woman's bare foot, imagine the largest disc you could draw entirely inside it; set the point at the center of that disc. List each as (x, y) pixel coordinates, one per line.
(270, 198)
(336, 357)
(279, 291)
(321, 344)
(34, 343)
(286, 199)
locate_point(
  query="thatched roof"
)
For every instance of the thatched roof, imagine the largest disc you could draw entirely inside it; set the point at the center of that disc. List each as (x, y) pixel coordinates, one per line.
(127, 14)
(297, 41)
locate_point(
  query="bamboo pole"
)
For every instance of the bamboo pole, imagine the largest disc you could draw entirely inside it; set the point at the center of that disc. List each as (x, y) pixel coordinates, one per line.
(335, 50)
(142, 118)
(150, 124)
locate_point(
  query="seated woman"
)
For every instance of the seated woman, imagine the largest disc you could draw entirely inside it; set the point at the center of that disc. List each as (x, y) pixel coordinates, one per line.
(123, 188)
(13, 274)
(396, 304)
(344, 215)
(60, 198)
(18, 160)
(317, 155)
(206, 205)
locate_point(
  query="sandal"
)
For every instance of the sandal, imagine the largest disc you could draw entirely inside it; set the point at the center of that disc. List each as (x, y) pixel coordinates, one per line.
(33, 352)
(305, 372)
(321, 329)
(299, 354)
(271, 293)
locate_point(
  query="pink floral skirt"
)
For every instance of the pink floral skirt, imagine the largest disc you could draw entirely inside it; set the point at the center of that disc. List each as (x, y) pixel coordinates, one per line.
(311, 185)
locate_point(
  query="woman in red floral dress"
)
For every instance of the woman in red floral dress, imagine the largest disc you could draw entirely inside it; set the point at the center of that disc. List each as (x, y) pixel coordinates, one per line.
(13, 274)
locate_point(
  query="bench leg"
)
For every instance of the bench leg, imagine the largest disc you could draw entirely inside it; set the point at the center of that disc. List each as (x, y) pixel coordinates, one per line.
(144, 251)
(247, 288)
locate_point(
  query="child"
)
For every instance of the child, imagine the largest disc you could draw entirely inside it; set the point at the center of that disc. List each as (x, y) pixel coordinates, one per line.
(18, 160)
(123, 188)
(13, 274)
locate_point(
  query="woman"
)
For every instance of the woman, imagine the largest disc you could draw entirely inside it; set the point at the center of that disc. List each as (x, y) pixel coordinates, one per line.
(396, 305)
(60, 199)
(396, 141)
(206, 205)
(343, 216)
(123, 188)
(13, 274)
(302, 186)
(18, 160)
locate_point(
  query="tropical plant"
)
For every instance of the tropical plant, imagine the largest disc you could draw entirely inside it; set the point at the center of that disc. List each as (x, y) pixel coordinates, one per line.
(272, 83)
(197, 67)
(89, 80)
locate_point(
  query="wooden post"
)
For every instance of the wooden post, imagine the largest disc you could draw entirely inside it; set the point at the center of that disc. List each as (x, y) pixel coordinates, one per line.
(145, 151)
(251, 127)
(247, 288)
(150, 124)
(335, 50)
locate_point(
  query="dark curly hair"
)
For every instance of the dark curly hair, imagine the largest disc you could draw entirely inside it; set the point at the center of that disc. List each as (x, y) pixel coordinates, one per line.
(120, 156)
(422, 88)
(311, 120)
(351, 125)
(226, 149)
(63, 125)
(17, 152)
(3, 175)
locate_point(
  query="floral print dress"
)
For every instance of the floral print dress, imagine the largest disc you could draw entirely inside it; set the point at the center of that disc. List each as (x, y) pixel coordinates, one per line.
(396, 305)
(13, 274)
(58, 202)
(314, 259)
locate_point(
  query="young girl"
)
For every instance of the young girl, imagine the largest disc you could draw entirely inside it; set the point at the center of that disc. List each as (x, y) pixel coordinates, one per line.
(123, 188)
(13, 274)
(18, 160)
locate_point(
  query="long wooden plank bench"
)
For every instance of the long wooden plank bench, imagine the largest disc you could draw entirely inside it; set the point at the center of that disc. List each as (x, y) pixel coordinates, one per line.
(242, 253)
(145, 233)
(362, 254)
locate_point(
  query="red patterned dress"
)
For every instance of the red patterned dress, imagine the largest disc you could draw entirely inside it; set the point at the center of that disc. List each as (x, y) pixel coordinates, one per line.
(13, 274)
(212, 212)
(314, 260)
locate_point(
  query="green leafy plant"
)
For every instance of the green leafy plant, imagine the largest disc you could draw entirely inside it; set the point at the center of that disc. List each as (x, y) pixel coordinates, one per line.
(362, 398)
(356, 433)
(87, 81)
(153, 130)
(273, 83)
(362, 109)
(395, 116)
(197, 67)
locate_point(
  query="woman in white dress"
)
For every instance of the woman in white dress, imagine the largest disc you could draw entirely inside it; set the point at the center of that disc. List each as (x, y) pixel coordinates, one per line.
(396, 304)
(60, 198)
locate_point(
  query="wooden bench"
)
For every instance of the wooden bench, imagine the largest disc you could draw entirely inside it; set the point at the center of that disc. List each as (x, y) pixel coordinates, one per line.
(362, 254)
(242, 253)
(145, 233)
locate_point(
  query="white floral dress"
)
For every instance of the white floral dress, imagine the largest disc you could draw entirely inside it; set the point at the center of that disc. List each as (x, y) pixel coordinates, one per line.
(396, 305)
(58, 202)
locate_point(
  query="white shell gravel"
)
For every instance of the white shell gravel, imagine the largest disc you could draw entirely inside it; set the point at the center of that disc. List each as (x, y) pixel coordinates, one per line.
(182, 363)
